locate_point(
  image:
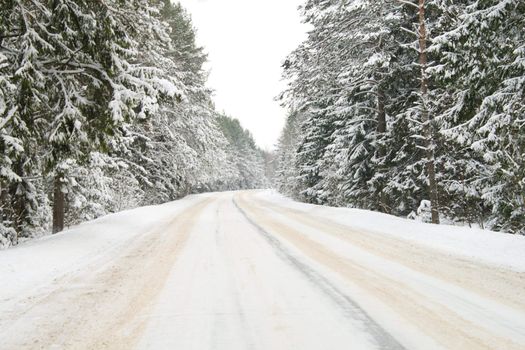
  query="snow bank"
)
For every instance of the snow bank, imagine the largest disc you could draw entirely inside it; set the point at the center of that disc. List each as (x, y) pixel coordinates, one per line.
(495, 248)
(35, 263)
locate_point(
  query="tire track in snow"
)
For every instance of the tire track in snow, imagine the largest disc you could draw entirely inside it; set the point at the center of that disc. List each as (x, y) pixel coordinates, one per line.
(437, 320)
(222, 245)
(444, 266)
(350, 308)
(102, 307)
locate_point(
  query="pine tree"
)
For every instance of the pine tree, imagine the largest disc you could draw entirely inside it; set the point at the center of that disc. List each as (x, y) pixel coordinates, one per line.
(286, 172)
(410, 105)
(482, 67)
(245, 154)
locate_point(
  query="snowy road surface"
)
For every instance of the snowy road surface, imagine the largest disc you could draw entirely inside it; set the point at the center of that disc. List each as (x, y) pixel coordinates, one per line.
(251, 270)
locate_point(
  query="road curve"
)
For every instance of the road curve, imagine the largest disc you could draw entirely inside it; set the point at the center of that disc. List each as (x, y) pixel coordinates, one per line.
(234, 271)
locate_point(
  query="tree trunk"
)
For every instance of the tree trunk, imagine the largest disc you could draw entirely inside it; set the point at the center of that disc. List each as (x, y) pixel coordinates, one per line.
(6, 210)
(381, 114)
(426, 118)
(3, 201)
(18, 198)
(58, 204)
(381, 129)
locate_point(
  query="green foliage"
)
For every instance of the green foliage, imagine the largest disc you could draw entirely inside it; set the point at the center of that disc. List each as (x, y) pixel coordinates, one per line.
(246, 158)
(359, 63)
(109, 97)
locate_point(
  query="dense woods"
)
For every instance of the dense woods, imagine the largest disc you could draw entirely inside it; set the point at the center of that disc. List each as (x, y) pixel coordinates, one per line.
(413, 108)
(104, 106)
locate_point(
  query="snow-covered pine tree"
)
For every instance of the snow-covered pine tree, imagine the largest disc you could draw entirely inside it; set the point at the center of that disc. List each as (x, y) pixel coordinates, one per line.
(482, 55)
(179, 149)
(104, 106)
(22, 108)
(113, 47)
(244, 154)
(201, 145)
(286, 173)
(73, 63)
(365, 35)
(311, 71)
(348, 64)
(366, 139)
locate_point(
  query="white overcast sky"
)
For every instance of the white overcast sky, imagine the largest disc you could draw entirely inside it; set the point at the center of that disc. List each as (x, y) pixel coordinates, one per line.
(246, 42)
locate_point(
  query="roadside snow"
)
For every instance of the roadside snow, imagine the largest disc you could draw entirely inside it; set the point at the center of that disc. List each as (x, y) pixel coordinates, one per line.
(38, 262)
(255, 270)
(490, 247)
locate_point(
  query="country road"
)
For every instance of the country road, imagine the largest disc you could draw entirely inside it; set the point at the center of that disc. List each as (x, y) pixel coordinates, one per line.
(239, 270)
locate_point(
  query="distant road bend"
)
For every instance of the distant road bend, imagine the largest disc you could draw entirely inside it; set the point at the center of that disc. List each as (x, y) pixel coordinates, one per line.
(239, 271)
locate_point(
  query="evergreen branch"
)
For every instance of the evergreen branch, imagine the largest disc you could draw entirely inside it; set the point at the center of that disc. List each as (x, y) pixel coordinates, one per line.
(405, 2)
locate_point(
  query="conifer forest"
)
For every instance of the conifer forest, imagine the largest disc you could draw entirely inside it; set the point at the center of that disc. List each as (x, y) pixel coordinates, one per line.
(262, 175)
(412, 108)
(103, 107)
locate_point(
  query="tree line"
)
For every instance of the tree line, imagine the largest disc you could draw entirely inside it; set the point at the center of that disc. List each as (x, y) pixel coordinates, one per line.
(409, 107)
(103, 107)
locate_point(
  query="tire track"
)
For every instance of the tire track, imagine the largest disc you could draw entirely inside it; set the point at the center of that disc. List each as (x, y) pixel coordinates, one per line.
(225, 244)
(105, 308)
(437, 321)
(480, 278)
(350, 308)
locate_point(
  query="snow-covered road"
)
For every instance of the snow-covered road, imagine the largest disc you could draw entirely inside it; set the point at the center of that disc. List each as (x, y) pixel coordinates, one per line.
(251, 270)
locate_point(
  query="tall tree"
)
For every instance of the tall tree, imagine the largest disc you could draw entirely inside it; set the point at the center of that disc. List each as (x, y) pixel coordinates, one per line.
(426, 118)
(411, 105)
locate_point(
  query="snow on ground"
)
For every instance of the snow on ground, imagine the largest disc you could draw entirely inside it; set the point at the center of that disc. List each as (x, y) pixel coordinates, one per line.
(496, 248)
(229, 290)
(255, 270)
(420, 295)
(37, 262)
